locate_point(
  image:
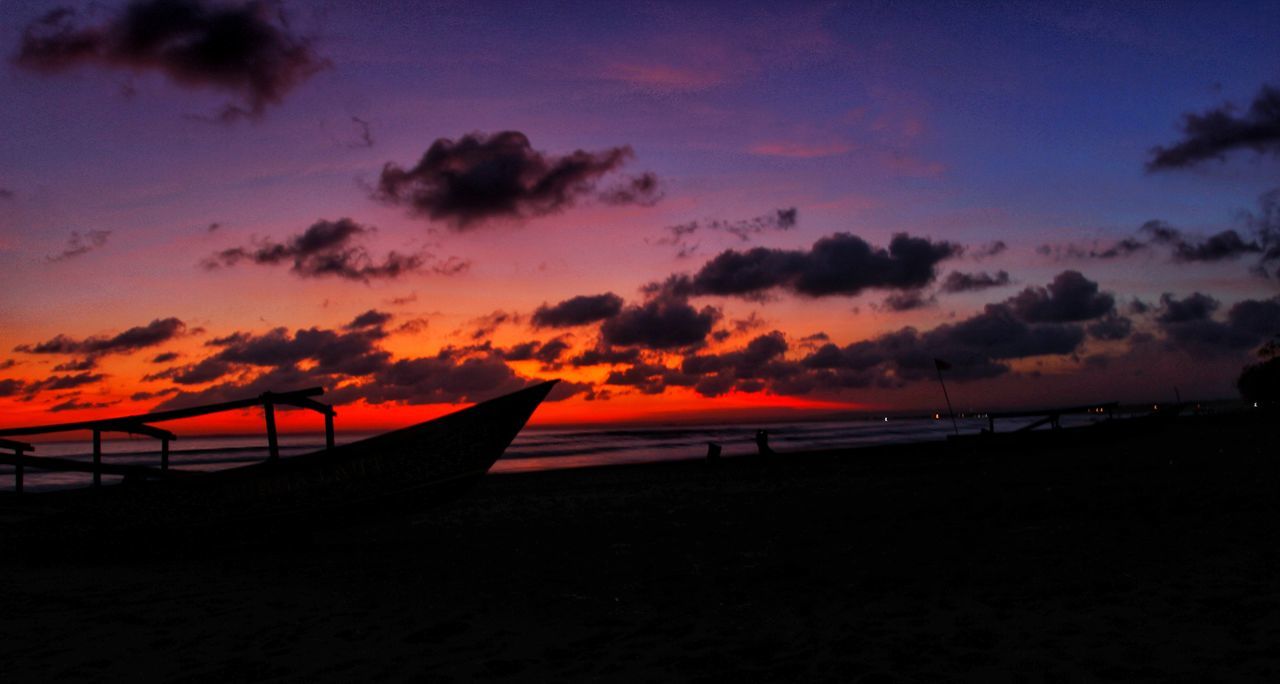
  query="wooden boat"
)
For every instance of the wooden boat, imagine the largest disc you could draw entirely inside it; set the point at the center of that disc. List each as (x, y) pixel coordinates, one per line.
(383, 475)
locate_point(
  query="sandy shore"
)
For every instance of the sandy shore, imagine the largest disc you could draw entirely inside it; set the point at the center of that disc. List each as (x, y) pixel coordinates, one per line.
(1144, 559)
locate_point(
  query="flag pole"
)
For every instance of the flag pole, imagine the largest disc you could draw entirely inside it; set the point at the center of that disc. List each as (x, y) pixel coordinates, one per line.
(938, 364)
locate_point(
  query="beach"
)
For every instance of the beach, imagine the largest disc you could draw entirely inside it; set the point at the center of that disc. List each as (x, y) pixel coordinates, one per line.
(1148, 557)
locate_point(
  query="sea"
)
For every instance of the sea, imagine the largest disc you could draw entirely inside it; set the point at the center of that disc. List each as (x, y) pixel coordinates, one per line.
(535, 448)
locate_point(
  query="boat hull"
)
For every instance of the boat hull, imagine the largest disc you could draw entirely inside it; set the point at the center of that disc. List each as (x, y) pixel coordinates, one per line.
(387, 474)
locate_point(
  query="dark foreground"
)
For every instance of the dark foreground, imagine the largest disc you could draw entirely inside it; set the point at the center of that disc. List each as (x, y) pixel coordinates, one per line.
(1146, 559)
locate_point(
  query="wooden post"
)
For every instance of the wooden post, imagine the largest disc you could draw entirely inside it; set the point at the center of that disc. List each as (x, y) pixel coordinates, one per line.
(328, 430)
(97, 458)
(273, 447)
(164, 453)
(17, 473)
(991, 423)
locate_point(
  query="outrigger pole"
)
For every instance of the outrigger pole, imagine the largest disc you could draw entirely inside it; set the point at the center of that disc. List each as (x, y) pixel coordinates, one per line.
(140, 425)
(941, 366)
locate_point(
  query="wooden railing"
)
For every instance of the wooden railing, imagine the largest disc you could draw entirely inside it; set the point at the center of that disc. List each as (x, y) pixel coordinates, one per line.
(141, 425)
(1052, 416)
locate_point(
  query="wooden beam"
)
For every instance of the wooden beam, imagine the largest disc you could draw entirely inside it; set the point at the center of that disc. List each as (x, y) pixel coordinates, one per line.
(15, 446)
(328, 430)
(124, 423)
(70, 465)
(164, 453)
(273, 446)
(149, 431)
(97, 458)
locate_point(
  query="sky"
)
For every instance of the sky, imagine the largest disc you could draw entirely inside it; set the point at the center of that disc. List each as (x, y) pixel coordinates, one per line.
(693, 211)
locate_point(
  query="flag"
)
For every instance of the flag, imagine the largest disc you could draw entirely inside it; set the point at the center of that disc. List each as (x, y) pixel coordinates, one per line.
(941, 365)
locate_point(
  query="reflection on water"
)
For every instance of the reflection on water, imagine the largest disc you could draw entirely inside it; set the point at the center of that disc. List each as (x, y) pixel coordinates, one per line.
(534, 449)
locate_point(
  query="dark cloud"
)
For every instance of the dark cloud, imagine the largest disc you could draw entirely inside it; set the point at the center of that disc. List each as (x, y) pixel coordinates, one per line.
(85, 364)
(907, 300)
(579, 310)
(644, 190)
(206, 370)
(665, 321)
(1070, 297)
(80, 244)
(1112, 250)
(165, 357)
(354, 352)
(65, 382)
(602, 355)
(650, 378)
(485, 325)
(548, 353)
(1188, 323)
(1220, 246)
(11, 387)
(1214, 133)
(144, 396)
(970, 282)
(156, 332)
(1110, 327)
(369, 319)
(840, 264)
(442, 378)
(479, 177)
(987, 250)
(74, 404)
(328, 248)
(234, 48)
(7, 364)
(366, 132)
(681, 235)
(1194, 307)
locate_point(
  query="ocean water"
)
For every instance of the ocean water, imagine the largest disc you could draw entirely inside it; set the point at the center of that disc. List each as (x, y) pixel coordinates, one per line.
(535, 448)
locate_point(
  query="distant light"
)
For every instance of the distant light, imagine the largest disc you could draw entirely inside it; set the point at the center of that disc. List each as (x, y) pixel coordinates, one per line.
(936, 416)
(1255, 404)
(886, 419)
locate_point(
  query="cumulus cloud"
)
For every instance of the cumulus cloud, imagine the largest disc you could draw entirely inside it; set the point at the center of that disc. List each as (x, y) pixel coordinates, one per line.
(478, 178)
(442, 378)
(971, 282)
(839, 264)
(664, 321)
(243, 49)
(1216, 132)
(330, 248)
(1070, 297)
(80, 244)
(1189, 324)
(575, 311)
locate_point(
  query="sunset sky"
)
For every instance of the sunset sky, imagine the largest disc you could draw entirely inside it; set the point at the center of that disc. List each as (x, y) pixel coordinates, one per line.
(682, 210)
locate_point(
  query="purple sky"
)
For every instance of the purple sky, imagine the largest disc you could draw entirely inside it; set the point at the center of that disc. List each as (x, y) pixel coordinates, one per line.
(246, 168)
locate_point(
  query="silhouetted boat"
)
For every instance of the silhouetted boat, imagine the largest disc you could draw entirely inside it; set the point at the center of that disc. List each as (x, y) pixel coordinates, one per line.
(387, 474)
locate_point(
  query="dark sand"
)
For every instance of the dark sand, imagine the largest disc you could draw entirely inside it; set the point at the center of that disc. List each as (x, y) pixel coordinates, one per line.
(1139, 560)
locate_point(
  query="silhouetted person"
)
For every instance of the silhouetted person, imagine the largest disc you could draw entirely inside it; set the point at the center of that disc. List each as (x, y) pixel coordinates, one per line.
(762, 442)
(713, 452)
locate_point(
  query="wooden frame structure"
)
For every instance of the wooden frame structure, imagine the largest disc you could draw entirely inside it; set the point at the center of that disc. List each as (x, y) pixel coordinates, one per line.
(1051, 417)
(141, 425)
